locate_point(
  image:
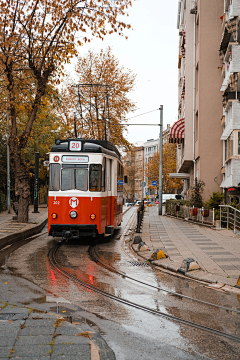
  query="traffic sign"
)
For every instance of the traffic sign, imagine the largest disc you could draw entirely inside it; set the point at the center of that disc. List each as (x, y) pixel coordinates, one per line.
(147, 193)
(144, 184)
(120, 182)
(45, 162)
(147, 196)
(154, 183)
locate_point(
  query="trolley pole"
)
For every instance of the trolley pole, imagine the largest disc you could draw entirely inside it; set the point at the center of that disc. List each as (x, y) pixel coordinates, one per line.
(160, 161)
(35, 200)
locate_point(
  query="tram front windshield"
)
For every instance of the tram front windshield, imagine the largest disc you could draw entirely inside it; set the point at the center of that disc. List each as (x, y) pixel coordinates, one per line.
(74, 179)
(75, 176)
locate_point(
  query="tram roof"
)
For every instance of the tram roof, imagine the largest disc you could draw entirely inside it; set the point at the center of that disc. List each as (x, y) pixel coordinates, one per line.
(88, 145)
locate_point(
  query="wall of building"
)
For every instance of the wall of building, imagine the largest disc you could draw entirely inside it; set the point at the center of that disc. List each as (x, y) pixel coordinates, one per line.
(208, 147)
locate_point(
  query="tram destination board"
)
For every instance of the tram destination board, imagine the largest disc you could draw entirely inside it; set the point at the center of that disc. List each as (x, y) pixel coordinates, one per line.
(75, 145)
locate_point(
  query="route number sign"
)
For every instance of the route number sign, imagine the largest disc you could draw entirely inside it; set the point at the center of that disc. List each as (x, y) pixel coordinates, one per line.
(75, 145)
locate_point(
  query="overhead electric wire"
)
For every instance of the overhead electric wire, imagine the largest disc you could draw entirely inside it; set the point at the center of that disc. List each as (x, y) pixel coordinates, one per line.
(142, 114)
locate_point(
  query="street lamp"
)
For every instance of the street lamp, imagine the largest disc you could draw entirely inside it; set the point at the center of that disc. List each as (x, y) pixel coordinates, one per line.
(160, 161)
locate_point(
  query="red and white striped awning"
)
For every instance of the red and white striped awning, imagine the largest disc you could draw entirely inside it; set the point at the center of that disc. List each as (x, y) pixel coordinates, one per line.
(177, 132)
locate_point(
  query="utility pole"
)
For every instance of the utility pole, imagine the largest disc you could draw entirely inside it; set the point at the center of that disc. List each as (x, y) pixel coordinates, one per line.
(35, 200)
(160, 160)
(8, 161)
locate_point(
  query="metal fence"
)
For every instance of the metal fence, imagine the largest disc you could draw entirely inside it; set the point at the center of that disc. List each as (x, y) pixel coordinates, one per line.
(229, 218)
(201, 215)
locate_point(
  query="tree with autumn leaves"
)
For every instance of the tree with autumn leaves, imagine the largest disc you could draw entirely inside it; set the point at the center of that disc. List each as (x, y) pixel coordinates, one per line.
(88, 104)
(169, 163)
(37, 39)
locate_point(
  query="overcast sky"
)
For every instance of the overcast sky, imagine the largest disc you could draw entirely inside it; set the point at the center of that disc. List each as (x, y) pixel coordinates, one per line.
(151, 52)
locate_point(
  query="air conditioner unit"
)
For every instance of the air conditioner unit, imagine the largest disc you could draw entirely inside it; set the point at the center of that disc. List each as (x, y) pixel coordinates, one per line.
(193, 7)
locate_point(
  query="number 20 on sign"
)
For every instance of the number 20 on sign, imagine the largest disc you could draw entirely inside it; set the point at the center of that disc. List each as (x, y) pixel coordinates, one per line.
(75, 145)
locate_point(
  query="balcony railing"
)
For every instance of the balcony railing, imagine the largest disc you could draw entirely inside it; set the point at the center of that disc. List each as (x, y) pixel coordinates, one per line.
(229, 218)
(231, 63)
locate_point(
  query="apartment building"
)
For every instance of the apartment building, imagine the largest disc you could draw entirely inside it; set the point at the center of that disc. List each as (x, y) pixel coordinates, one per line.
(197, 131)
(230, 120)
(151, 146)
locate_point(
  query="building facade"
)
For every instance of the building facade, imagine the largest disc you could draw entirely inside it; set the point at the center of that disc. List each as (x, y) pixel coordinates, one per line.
(134, 169)
(197, 131)
(230, 120)
(150, 148)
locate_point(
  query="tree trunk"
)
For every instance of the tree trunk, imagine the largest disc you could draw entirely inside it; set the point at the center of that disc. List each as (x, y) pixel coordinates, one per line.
(22, 189)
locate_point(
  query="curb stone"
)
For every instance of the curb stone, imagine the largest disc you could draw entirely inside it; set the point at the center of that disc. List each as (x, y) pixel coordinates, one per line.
(174, 268)
(22, 235)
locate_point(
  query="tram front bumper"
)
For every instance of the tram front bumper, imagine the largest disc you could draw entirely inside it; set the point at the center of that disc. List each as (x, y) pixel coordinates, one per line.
(70, 231)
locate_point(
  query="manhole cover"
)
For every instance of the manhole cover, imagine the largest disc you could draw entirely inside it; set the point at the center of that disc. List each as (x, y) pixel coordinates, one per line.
(138, 263)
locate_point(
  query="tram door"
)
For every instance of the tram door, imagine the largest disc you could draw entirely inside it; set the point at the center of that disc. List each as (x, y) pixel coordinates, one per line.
(109, 191)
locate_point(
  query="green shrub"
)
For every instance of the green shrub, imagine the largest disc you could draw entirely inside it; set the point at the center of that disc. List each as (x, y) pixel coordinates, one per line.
(174, 202)
(215, 200)
(217, 214)
(234, 202)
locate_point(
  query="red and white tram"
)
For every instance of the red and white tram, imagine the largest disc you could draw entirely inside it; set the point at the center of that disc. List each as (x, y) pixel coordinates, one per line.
(85, 188)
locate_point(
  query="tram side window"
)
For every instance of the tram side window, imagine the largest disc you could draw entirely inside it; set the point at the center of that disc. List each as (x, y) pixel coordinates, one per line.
(103, 174)
(95, 175)
(67, 179)
(54, 183)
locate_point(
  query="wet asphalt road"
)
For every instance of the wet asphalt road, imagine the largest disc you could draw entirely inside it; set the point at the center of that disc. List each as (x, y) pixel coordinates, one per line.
(131, 333)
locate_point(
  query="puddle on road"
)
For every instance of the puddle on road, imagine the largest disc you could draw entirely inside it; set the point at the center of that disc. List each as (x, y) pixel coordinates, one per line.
(32, 261)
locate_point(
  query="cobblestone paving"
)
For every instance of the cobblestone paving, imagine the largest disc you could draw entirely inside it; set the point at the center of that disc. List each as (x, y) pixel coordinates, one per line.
(30, 334)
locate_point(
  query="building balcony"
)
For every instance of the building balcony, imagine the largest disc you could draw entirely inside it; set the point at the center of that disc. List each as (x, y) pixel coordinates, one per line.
(232, 9)
(232, 174)
(183, 165)
(231, 64)
(231, 118)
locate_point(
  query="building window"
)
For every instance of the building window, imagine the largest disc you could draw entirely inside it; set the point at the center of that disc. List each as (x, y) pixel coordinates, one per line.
(230, 146)
(238, 142)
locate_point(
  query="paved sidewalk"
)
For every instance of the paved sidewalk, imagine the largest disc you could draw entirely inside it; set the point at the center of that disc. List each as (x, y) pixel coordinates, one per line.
(31, 334)
(11, 230)
(216, 251)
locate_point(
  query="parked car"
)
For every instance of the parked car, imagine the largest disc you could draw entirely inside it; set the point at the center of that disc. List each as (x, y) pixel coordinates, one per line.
(171, 196)
(130, 204)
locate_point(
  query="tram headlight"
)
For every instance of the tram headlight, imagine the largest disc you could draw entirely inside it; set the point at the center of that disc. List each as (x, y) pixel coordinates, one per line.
(73, 214)
(54, 215)
(93, 216)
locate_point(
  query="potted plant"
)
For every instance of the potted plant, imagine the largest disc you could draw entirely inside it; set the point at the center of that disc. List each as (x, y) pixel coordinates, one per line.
(194, 211)
(205, 212)
(196, 200)
(217, 219)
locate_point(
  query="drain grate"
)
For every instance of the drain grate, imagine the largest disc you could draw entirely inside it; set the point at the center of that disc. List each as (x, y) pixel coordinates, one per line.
(138, 263)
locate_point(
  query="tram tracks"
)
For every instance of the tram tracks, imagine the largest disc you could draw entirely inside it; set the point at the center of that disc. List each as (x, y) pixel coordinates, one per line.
(60, 269)
(95, 257)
